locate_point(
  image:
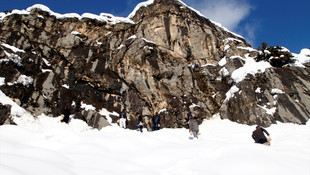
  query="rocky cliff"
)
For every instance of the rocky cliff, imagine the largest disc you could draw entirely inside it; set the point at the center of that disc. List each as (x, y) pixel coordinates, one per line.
(165, 57)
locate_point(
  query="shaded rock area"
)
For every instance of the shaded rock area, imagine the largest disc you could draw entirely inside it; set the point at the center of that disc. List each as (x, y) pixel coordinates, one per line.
(5, 115)
(166, 59)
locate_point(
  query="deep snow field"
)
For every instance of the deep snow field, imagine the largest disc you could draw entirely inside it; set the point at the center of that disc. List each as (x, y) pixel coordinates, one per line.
(46, 146)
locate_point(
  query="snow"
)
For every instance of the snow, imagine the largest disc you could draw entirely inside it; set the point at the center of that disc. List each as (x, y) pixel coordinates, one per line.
(75, 33)
(106, 113)
(66, 86)
(276, 91)
(163, 110)
(232, 39)
(144, 39)
(46, 146)
(25, 80)
(46, 70)
(193, 105)
(302, 58)
(87, 107)
(222, 62)
(253, 67)
(250, 49)
(46, 62)
(16, 110)
(231, 92)
(250, 67)
(12, 57)
(76, 149)
(132, 37)
(258, 90)
(224, 72)
(2, 81)
(140, 5)
(12, 48)
(109, 18)
(270, 111)
(120, 47)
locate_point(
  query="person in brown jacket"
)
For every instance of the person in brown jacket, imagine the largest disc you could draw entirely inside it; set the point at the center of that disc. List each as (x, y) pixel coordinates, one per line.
(259, 137)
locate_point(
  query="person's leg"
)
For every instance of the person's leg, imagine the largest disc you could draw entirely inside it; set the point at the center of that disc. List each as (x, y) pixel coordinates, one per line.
(195, 134)
(141, 128)
(262, 141)
(123, 122)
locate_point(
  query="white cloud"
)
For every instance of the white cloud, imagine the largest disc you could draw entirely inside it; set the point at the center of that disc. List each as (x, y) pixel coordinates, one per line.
(232, 14)
(227, 12)
(248, 31)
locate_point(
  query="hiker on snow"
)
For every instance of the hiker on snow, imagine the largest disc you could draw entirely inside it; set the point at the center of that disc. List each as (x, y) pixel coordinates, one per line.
(259, 137)
(156, 120)
(187, 117)
(193, 126)
(139, 124)
(66, 114)
(123, 119)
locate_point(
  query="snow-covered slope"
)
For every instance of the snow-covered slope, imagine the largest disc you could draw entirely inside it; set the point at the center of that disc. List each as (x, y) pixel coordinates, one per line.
(46, 146)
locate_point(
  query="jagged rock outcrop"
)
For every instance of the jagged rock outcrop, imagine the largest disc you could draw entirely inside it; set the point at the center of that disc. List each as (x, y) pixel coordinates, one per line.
(167, 57)
(5, 115)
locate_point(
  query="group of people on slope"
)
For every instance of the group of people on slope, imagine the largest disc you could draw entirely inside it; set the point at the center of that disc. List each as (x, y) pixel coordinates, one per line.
(123, 120)
(189, 120)
(258, 134)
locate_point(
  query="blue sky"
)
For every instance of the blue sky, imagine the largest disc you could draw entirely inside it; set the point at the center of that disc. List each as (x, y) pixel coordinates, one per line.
(276, 22)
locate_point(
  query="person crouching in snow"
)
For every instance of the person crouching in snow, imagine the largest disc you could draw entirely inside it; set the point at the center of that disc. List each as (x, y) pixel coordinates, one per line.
(123, 119)
(259, 136)
(193, 126)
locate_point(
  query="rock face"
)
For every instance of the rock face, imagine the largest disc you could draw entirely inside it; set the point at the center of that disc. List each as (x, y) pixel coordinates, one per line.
(166, 57)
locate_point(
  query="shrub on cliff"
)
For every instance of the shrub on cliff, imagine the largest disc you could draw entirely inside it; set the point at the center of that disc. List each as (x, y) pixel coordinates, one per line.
(277, 56)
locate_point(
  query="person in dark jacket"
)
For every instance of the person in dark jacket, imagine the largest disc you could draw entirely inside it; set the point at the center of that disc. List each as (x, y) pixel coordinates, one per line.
(123, 119)
(259, 136)
(66, 114)
(193, 126)
(139, 124)
(156, 120)
(187, 117)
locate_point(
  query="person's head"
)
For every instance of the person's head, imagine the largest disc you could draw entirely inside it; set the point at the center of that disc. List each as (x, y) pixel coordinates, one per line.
(66, 106)
(257, 126)
(186, 112)
(138, 114)
(124, 110)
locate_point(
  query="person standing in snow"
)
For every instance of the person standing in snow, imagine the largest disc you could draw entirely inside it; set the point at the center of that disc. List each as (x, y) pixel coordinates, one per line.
(193, 126)
(139, 124)
(259, 136)
(188, 115)
(66, 114)
(123, 119)
(156, 120)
